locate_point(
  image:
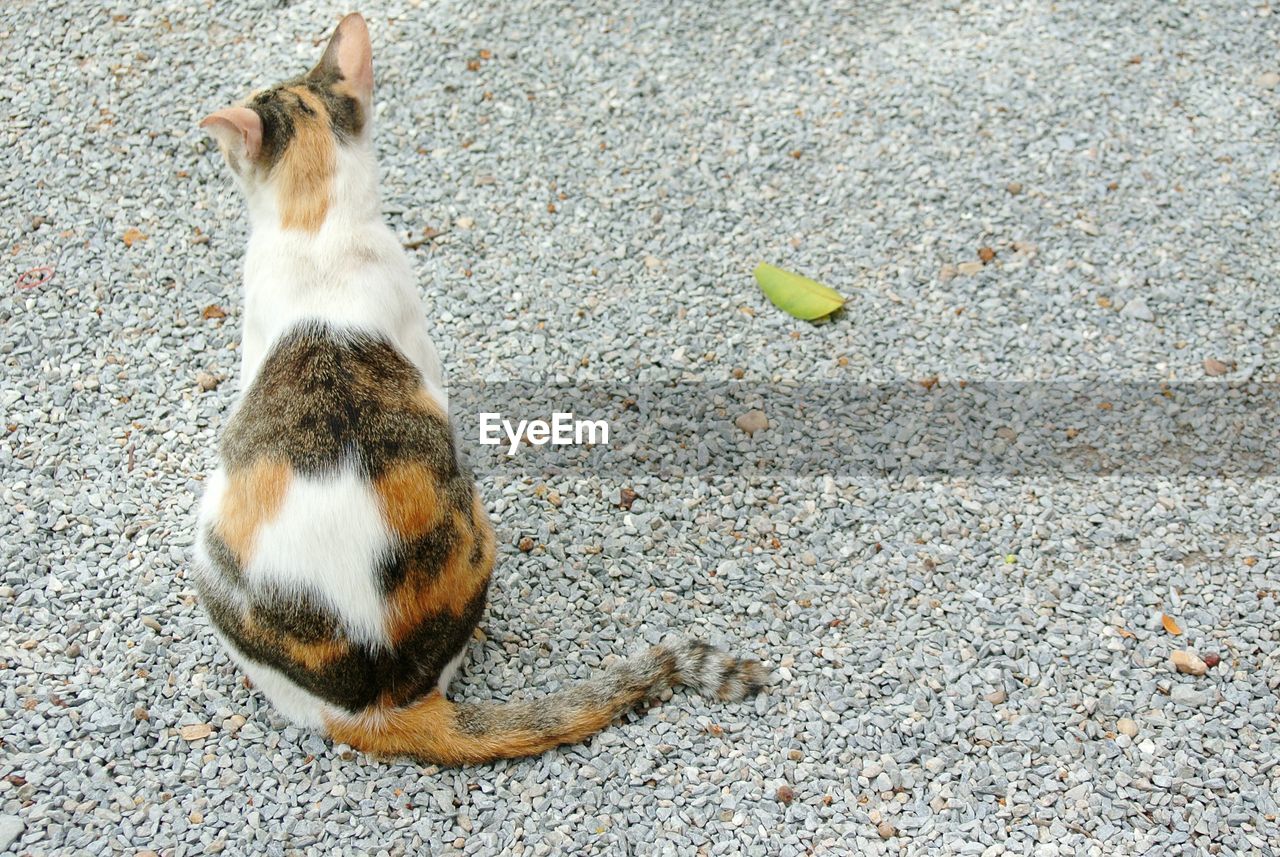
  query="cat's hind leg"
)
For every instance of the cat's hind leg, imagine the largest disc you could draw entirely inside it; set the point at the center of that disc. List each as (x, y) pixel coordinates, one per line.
(447, 674)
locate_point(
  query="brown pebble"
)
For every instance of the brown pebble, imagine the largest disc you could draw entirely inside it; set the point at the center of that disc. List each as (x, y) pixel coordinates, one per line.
(752, 422)
(626, 497)
(1188, 662)
(1211, 659)
(986, 254)
(526, 544)
(195, 732)
(1213, 367)
(786, 794)
(886, 830)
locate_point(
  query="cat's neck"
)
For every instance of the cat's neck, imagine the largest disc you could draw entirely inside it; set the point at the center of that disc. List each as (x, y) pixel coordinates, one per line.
(350, 272)
(352, 205)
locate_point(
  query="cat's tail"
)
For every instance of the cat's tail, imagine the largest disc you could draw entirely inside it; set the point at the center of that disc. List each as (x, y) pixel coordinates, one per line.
(438, 731)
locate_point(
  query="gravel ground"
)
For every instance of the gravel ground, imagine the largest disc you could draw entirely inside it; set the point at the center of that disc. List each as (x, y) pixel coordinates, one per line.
(963, 665)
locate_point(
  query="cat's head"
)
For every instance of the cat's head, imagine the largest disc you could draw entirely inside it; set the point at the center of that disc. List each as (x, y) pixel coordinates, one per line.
(287, 144)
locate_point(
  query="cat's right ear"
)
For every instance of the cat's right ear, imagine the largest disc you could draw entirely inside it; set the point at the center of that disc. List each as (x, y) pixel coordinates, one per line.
(239, 129)
(349, 56)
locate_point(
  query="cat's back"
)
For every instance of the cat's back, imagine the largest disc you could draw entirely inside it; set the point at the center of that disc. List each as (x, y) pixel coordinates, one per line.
(340, 523)
(325, 399)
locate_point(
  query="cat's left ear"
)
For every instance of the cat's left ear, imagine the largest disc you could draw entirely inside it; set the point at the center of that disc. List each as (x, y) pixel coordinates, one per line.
(239, 129)
(350, 56)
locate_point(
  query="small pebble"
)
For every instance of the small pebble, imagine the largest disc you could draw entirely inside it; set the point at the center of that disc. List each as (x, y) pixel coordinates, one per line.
(1214, 367)
(11, 827)
(1187, 662)
(752, 422)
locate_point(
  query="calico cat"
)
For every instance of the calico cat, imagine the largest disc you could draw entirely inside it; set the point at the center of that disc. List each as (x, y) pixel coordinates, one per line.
(343, 552)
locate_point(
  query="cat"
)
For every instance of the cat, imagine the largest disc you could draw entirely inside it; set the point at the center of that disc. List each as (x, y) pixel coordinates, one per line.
(343, 552)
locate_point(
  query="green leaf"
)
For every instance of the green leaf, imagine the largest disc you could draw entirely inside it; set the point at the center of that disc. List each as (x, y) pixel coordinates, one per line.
(800, 296)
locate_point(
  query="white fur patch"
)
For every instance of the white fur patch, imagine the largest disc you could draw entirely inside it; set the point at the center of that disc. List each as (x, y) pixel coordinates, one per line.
(447, 674)
(352, 275)
(300, 706)
(326, 542)
(210, 501)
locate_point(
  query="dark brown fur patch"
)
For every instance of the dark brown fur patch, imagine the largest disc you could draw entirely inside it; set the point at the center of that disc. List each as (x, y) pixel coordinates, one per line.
(450, 586)
(292, 615)
(428, 647)
(331, 669)
(344, 674)
(276, 112)
(346, 114)
(279, 107)
(321, 399)
(224, 561)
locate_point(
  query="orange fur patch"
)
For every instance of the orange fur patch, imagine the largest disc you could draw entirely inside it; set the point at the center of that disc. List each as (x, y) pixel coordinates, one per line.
(428, 729)
(253, 497)
(427, 402)
(315, 655)
(306, 169)
(410, 501)
(450, 588)
(393, 732)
